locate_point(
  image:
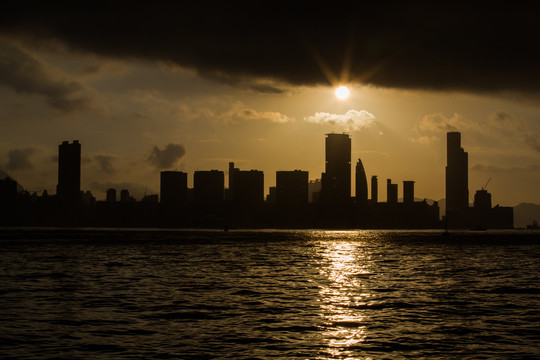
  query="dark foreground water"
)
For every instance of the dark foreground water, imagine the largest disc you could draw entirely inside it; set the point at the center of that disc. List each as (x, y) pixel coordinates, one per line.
(120, 294)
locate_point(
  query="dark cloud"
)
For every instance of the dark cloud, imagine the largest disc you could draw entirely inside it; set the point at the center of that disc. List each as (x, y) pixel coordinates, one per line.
(105, 163)
(19, 159)
(166, 158)
(475, 46)
(26, 74)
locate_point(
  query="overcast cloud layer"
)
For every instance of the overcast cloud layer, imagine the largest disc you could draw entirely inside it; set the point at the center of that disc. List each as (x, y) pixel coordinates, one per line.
(412, 44)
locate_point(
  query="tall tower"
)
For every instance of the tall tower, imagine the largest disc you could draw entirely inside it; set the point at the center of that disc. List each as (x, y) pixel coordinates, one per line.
(408, 192)
(374, 189)
(391, 192)
(457, 173)
(336, 184)
(68, 189)
(361, 184)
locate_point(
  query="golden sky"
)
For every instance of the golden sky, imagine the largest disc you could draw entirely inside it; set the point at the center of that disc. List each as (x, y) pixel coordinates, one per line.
(263, 97)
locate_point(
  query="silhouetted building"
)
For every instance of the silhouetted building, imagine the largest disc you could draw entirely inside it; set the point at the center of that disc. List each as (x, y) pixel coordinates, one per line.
(391, 192)
(361, 184)
(8, 201)
(292, 188)
(208, 187)
(232, 171)
(68, 189)
(125, 197)
(482, 200)
(153, 198)
(314, 190)
(374, 190)
(248, 187)
(336, 180)
(111, 195)
(173, 187)
(87, 199)
(408, 192)
(483, 216)
(457, 189)
(271, 197)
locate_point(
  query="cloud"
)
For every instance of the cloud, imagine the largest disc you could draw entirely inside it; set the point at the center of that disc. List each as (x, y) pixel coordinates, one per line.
(500, 126)
(239, 112)
(439, 123)
(350, 121)
(27, 74)
(418, 44)
(513, 169)
(166, 158)
(19, 159)
(105, 163)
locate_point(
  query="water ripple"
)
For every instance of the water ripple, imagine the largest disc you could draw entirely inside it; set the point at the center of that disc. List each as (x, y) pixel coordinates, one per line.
(112, 294)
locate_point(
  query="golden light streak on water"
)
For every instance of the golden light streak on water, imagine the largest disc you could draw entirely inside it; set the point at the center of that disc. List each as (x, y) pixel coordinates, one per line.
(344, 264)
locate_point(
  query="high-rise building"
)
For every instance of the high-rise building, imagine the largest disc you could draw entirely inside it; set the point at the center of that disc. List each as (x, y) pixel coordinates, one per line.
(292, 188)
(124, 196)
(457, 189)
(408, 192)
(374, 189)
(248, 187)
(68, 189)
(111, 195)
(208, 187)
(336, 181)
(361, 184)
(391, 192)
(482, 200)
(173, 187)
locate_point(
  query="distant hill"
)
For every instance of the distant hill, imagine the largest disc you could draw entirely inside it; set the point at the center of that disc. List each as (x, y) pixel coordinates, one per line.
(525, 213)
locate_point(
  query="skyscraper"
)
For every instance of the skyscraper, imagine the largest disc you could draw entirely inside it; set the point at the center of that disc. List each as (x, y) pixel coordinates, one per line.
(248, 188)
(361, 184)
(111, 195)
(68, 189)
(408, 192)
(391, 192)
(457, 189)
(336, 181)
(173, 187)
(208, 187)
(374, 189)
(292, 188)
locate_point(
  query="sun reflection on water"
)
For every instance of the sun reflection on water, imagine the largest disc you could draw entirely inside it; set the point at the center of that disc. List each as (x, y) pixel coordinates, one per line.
(345, 263)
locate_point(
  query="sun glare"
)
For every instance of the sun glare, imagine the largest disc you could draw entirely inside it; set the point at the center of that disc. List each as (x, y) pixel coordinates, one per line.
(342, 92)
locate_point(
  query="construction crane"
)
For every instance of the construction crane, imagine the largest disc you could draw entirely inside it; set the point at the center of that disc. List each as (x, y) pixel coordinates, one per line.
(485, 186)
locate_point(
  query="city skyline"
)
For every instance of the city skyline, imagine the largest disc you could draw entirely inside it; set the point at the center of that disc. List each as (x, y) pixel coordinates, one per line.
(153, 90)
(293, 202)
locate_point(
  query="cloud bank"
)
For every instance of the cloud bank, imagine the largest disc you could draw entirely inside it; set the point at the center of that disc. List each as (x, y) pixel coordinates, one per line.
(20, 159)
(407, 44)
(27, 74)
(500, 126)
(350, 121)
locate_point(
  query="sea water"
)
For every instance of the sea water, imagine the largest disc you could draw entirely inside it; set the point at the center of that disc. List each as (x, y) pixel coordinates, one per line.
(188, 294)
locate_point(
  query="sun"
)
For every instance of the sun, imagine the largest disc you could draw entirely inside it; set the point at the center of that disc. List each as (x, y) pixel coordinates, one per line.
(342, 92)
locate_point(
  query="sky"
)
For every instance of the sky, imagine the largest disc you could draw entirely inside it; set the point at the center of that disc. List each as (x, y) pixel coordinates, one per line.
(153, 87)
